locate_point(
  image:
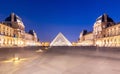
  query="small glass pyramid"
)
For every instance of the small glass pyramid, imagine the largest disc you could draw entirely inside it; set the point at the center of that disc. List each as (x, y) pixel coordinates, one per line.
(60, 40)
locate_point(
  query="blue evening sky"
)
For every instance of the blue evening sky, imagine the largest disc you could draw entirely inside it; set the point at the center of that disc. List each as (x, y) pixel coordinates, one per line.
(49, 17)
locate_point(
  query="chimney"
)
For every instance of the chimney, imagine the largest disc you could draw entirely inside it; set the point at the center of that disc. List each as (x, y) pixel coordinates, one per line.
(105, 17)
(12, 17)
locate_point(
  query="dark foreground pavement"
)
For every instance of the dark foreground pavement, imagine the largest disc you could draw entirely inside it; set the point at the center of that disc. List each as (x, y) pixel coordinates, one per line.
(61, 60)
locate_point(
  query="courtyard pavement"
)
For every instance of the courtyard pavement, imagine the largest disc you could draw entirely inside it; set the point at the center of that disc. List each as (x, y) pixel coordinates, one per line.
(60, 60)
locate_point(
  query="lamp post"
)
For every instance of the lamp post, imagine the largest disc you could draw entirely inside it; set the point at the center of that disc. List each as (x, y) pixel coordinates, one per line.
(16, 58)
(97, 47)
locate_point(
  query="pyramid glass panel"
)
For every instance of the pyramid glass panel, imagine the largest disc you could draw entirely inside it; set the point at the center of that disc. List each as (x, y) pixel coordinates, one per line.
(60, 40)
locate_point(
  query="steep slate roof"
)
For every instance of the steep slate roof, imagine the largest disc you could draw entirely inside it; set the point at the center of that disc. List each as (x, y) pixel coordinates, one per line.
(104, 18)
(14, 21)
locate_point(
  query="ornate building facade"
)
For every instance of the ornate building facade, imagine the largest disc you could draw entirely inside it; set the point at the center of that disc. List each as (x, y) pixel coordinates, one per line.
(86, 38)
(106, 33)
(12, 33)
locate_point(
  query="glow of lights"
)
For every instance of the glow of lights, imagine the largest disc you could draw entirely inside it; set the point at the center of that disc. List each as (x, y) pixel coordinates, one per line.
(15, 60)
(97, 42)
(39, 50)
(46, 48)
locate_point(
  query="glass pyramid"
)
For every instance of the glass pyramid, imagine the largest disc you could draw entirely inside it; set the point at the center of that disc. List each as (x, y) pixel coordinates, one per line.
(60, 40)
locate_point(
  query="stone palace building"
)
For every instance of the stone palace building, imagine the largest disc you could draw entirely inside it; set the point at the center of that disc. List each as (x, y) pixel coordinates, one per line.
(12, 33)
(106, 33)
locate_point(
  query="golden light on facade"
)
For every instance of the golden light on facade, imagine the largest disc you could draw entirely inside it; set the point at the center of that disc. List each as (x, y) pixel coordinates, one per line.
(45, 43)
(10, 36)
(106, 33)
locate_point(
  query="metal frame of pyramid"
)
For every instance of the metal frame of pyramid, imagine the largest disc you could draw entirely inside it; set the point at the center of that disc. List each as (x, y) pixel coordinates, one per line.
(60, 40)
